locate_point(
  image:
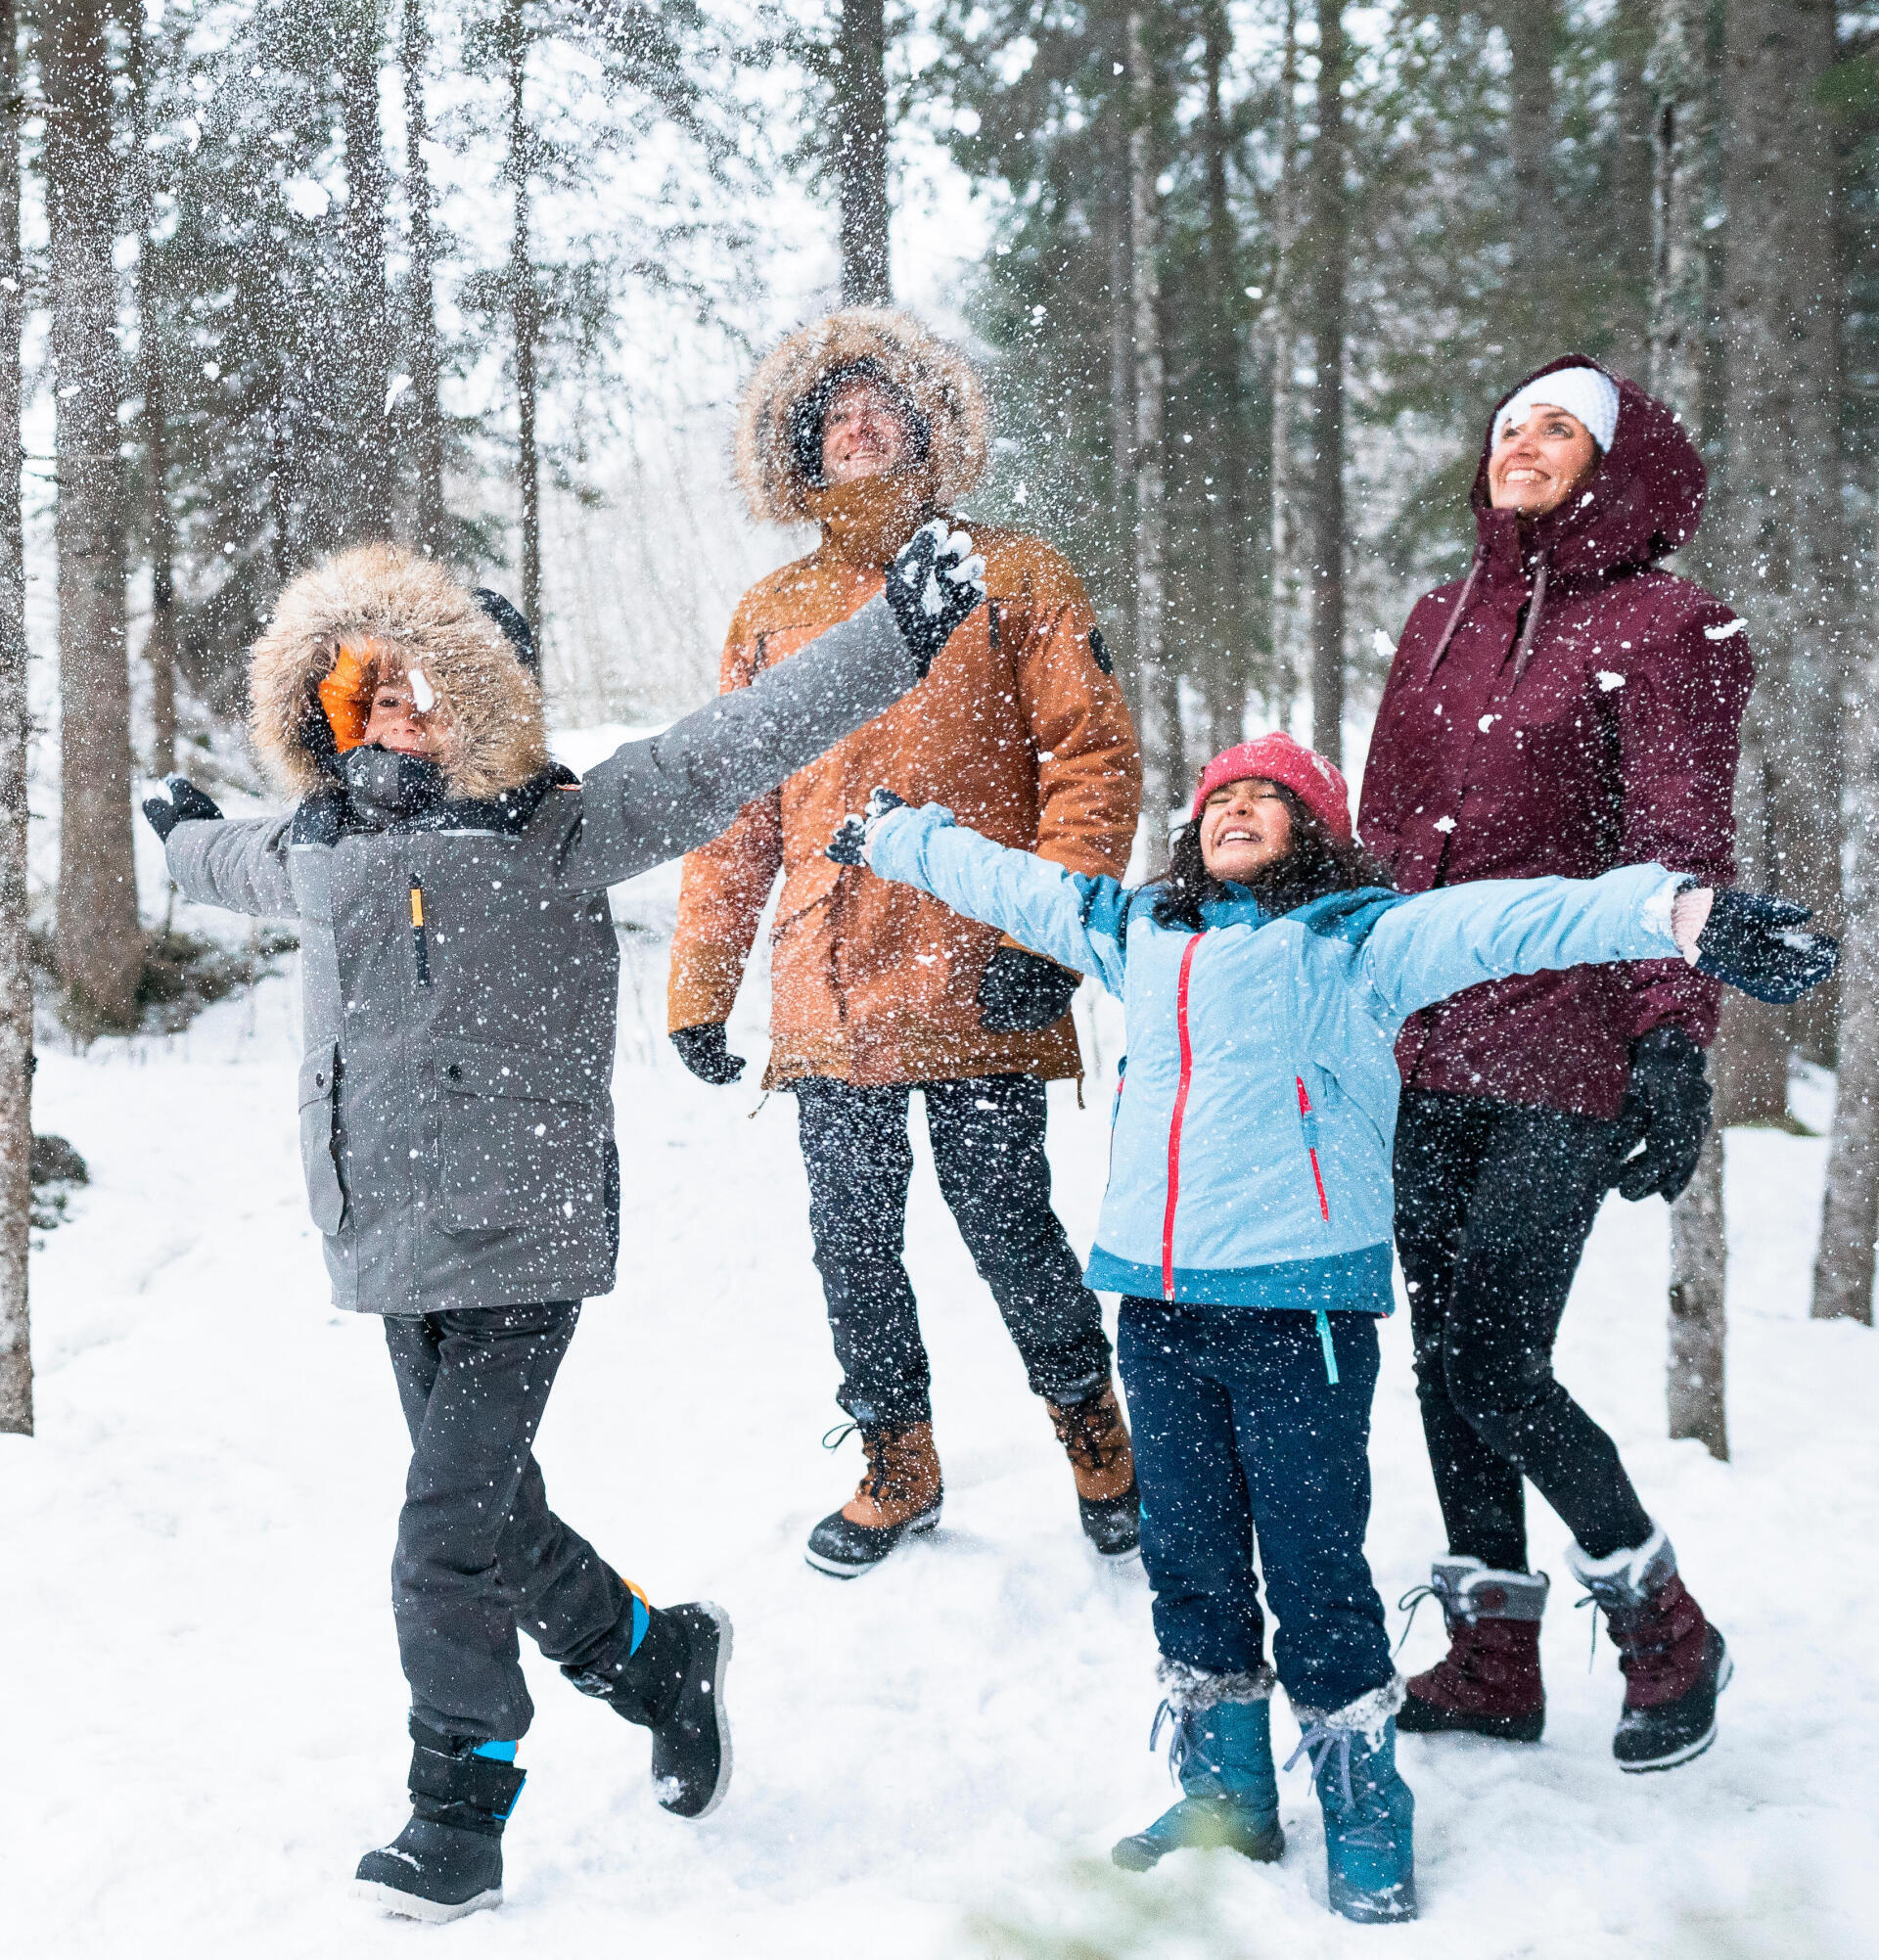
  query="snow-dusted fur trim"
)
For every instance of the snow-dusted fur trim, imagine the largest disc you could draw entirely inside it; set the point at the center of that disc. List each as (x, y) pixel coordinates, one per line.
(939, 380)
(1192, 1689)
(418, 611)
(1366, 1714)
(1631, 1574)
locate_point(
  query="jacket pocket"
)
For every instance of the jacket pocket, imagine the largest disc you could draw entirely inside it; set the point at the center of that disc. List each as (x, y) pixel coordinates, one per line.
(319, 1098)
(523, 1143)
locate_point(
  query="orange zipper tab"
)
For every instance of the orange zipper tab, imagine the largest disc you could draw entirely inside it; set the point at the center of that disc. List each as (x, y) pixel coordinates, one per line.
(418, 941)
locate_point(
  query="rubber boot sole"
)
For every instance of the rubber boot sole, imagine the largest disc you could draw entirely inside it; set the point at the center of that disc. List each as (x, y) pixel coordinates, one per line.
(1419, 1717)
(1140, 1853)
(893, 1535)
(432, 1911)
(1686, 1752)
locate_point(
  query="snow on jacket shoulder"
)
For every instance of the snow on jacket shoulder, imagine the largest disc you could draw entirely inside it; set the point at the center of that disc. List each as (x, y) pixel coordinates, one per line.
(1251, 1163)
(459, 966)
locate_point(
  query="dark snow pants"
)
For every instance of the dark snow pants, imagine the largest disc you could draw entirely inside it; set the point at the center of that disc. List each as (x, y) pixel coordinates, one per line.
(478, 1549)
(1240, 1438)
(987, 1137)
(1493, 1205)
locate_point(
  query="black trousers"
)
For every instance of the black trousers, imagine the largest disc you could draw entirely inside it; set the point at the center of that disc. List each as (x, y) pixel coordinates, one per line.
(478, 1549)
(1493, 1205)
(987, 1137)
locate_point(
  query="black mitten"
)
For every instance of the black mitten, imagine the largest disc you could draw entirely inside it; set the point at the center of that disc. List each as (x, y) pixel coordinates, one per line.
(855, 830)
(187, 805)
(1667, 1109)
(1022, 992)
(933, 587)
(1755, 944)
(702, 1051)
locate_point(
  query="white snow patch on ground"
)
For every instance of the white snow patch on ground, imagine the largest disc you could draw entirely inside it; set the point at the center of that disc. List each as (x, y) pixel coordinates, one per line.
(205, 1715)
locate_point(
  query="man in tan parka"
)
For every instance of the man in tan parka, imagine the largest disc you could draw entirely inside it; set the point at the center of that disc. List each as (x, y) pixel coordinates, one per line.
(868, 424)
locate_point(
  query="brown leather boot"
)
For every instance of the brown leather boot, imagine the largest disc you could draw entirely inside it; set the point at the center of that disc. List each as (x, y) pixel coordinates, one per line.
(899, 1496)
(1095, 1438)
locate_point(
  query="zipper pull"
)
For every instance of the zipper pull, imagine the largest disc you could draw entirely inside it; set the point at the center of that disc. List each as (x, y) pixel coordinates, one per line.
(418, 940)
(1330, 1353)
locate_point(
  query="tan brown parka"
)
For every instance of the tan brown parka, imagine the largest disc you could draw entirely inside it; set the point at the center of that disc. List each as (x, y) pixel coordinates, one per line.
(1020, 729)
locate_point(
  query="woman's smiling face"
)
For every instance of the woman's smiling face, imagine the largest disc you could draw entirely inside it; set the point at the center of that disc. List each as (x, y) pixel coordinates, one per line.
(1244, 826)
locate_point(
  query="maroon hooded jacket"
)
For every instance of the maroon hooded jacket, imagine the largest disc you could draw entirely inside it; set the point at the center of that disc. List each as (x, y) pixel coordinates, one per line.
(1565, 708)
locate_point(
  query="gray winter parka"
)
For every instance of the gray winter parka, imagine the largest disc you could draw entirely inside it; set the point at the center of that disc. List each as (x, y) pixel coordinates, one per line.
(459, 968)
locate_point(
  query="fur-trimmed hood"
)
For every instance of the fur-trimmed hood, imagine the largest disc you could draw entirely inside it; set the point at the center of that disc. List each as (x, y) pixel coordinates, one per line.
(937, 379)
(417, 612)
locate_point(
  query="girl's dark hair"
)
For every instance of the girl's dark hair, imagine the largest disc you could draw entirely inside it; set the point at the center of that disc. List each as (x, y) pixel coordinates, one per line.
(1317, 864)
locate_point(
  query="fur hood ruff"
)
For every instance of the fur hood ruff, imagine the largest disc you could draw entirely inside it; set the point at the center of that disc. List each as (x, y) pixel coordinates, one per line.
(940, 382)
(419, 613)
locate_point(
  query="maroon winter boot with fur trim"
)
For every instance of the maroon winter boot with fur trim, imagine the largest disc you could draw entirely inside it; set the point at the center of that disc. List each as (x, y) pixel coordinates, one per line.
(1676, 1663)
(1488, 1681)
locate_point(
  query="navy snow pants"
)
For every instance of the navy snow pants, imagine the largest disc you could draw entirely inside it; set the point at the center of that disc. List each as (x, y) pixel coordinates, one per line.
(1240, 1439)
(987, 1135)
(478, 1549)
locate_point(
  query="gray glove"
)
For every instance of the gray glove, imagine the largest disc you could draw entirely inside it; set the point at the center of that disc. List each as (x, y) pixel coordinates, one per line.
(933, 587)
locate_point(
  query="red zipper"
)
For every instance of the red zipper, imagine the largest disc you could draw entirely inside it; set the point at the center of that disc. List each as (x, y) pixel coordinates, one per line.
(1312, 1149)
(1174, 1121)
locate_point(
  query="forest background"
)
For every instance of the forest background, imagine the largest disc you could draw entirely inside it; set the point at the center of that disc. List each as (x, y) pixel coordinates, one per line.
(1246, 279)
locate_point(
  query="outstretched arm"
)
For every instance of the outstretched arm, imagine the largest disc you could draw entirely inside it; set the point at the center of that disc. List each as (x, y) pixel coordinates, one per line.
(1078, 919)
(241, 867)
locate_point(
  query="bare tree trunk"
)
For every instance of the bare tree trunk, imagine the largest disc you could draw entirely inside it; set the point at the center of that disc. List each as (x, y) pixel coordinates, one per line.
(1843, 1268)
(1633, 173)
(526, 318)
(16, 728)
(1287, 598)
(1120, 321)
(100, 946)
(368, 305)
(1330, 248)
(862, 154)
(1699, 1324)
(421, 321)
(160, 642)
(1678, 308)
(1223, 618)
(1161, 677)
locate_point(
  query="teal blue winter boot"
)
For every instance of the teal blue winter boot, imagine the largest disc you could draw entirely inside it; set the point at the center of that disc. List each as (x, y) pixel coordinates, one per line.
(1369, 1814)
(1222, 1752)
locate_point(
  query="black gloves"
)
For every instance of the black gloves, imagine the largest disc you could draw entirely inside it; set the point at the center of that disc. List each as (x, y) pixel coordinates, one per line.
(1022, 992)
(848, 845)
(702, 1050)
(187, 805)
(1756, 944)
(1667, 1108)
(933, 586)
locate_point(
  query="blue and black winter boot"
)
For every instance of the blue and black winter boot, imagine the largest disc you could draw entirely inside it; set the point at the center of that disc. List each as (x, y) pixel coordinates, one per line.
(662, 1668)
(1369, 1814)
(447, 1861)
(1222, 1752)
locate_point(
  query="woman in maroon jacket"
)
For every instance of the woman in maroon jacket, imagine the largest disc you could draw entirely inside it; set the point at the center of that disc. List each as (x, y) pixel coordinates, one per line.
(1567, 707)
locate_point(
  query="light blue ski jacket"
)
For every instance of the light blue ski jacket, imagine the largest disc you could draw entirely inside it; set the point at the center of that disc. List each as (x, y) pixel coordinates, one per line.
(1249, 1157)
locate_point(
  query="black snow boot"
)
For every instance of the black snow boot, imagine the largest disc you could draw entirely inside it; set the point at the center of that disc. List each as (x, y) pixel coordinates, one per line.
(674, 1686)
(447, 1861)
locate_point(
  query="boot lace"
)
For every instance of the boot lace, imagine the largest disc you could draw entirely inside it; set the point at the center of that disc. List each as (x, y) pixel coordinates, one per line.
(1089, 1432)
(1318, 1744)
(1179, 1747)
(1411, 1604)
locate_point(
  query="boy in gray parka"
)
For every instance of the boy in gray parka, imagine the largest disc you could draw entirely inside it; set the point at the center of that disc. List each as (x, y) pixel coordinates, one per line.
(460, 978)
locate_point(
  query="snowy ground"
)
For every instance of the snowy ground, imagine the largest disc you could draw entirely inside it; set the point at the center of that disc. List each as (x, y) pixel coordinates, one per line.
(205, 1712)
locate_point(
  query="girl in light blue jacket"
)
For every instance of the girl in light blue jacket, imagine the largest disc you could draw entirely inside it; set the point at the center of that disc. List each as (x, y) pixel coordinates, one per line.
(1247, 1225)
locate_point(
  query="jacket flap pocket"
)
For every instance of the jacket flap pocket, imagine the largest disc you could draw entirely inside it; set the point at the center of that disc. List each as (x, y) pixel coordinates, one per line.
(318, 1071)
(475, 1068)
(804, 884)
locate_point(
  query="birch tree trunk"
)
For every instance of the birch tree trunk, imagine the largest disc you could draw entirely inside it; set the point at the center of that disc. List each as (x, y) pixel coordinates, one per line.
(524, 315)
(1165, 750)
(1330, 250)
(16, 959)
(99, 944)
(1287, 595)
(862, 154)
(1694, 1382)
(421, 320)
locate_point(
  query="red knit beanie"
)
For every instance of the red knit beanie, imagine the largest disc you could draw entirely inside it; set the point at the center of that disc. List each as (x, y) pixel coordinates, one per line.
(1277, 758)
